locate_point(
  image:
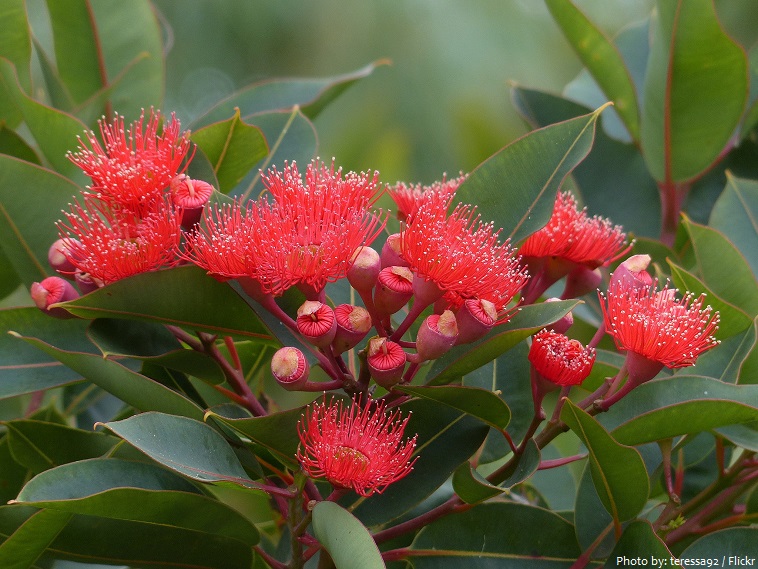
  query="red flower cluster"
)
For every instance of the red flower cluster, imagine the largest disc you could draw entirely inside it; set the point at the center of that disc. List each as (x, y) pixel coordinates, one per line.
(560, 359)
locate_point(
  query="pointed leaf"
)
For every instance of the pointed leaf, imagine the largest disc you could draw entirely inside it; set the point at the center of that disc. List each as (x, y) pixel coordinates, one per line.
(233, 148)
(731, 362)
(601, 57)
(735, 214)
(16, 47)
(29, 541)
(639, 540)
(183, 296)
(618, 471)
(515, 188)
(348, 542)
(13, 145)
(480, 403)
(695, 90)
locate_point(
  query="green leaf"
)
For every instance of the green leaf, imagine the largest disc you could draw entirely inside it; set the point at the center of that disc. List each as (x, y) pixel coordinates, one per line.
(737, 542)
(590, 516)
(601, 57)
(618, 471)
(480, 403)
(639, 540)
(446, 439)
(731, 361)
(135, 491)
(679, 405)
(345, 538)
(735, 215)
(13, 145)
(27, 226)
(182, 444)
(516, 187)
(183, 296)
(462, 360)
(695, 90)
(233, 148)
(732, 320)
(25, 369)
(713, 252)
(16, 48)
(312, 95)
(39, 445)
(751, 114)
(29, 541)
(133, 388)
(12, 474)
(497, 535)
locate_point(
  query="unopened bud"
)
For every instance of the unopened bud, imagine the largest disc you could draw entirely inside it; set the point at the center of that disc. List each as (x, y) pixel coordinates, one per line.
(633, 273)
(391, 256)
(58, 257)
(394, 289)
(51, 291)
(386, 361)
(190, 196)
(353, 323)
(364, 271)
(437, 334)
(475, 318)
(562, 325)
(290, 368)
(316, 322)
(85, 282)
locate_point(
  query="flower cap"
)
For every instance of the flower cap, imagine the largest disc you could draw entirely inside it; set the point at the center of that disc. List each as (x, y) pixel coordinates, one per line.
(290, 368)
(51, 291)
(354, 447)
(386, 361)
(316, 322)
(560, 359)
(353, 323)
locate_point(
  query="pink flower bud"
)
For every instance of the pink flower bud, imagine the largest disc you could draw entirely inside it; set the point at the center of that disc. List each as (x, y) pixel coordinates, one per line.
(364, 271)
(391, 256)
(190, 196)
(290, 368)
(386, 361)
(436, 336)
(316, 322)
(562, 325)
(85, 282)
(581, 281)
(633, 273)
(353, 323)
(394, 289)
(58, 256)
(475, 318)
(51, 291)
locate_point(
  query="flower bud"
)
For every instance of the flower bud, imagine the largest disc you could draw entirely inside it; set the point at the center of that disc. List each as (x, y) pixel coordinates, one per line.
(633, 273)
(190, 196)
(475, 318)
(562, 325)
(51, 291)
(436, 336)
(290, 368)
(391, 255)
(353, 323)
(58, 255)
(85, 282)
(316, 322)
(386, 361)
(394, 289)
(581, 281)
(364, 271)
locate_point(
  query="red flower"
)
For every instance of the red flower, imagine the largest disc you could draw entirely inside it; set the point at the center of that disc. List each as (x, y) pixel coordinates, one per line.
(407, 196)
(657, 326)
(109, 246)
(572, 235)
(559, 359)
(358, 448)
(133, 167)
(460, 254)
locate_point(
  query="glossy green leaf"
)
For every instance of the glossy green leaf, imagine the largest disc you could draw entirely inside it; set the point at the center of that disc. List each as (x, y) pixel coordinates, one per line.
(133, 388)
(695, 90)
(732, 320)
(76, 48)
(29, 541)
(183, 296)
(497, 535)
(515, 188)
(737, 542)
(735, 215)
(601, 57)
(639, 540)
(480, 403)
(311, 95)
(27, 226)
(135, 491)
(713, 252)
(590, 516)
(618, 471)
(446, 439)
(233, 148)
(345, 538)
(39, 445)
(25, 369)
(679, 405)
(182, 444)
(277, 432)
(132, 50)
(745, 436)
(16, 48)
(462, 360)
(751, 115)
(13, 145)
(12, 474)
(731, 362)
